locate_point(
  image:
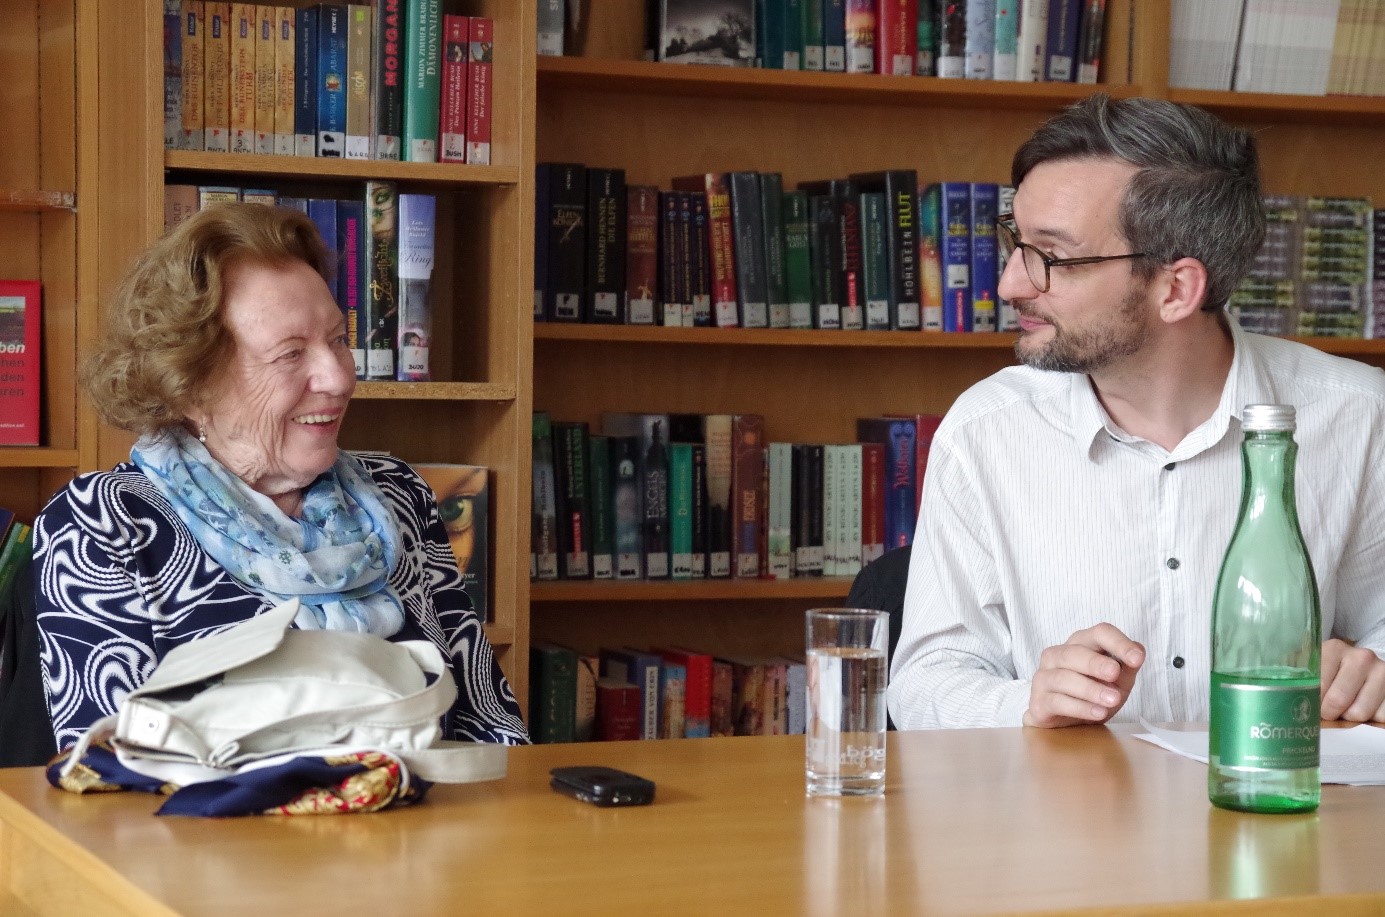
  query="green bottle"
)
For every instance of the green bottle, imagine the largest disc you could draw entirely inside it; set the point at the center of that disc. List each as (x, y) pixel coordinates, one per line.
(1266, 637)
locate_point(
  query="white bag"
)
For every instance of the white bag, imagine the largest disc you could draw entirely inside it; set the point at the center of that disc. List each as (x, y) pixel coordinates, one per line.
(261, 692)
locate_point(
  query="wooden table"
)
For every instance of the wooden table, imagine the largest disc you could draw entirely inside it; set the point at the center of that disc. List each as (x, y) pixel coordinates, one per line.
(973, 821)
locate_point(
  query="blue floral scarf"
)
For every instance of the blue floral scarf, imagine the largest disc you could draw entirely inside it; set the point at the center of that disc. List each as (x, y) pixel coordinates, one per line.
(336, 559)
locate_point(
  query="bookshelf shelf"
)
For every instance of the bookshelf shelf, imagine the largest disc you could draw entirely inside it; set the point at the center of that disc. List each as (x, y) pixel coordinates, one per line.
(303, 168)
(630, 76)
(807, 587)
(436, 391)
(37, 457)
(26, 200)
(1260, 106)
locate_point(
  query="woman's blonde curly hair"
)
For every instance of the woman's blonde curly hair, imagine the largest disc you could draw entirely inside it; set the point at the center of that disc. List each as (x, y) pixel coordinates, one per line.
(166, 338)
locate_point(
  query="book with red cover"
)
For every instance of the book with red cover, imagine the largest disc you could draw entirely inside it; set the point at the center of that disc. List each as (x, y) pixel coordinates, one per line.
(723, 689)
(720, 244)
(697, 690)
(478, 91)
(747, 478)
(20, 352)
(872, 501)
(619, 711)
(452, 120)
(896, 42)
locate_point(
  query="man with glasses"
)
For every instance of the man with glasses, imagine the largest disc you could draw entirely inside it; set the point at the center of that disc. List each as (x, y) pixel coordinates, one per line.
(1077, 507)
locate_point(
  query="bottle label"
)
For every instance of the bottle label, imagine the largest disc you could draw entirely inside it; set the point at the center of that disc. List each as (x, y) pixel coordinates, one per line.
(1265, 725)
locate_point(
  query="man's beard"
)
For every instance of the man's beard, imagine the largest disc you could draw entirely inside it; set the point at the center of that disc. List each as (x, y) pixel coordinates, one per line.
(1091, 349)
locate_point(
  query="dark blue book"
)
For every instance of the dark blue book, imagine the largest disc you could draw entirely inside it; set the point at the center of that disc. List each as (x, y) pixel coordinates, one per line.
(985, 256)
(331, 80)
(834, 35)
(305, 83)
(1060, 62)
(898, 436)
(324, 214)
(642, 670)
(351, 275)
(954, 220)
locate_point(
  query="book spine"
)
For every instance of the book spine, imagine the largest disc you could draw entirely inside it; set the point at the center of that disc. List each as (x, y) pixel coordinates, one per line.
(567, 240)
(1031, 49)
(216, 59)
(980, 39)
(323, 213)
(417, 243)
(697, 694)
(723, 699)
(680, 486)
(747, 220)
(584, 716)
(654, 495)
(926, 63)
(604, 298)
(173, 76)
(699, 263)
(716, 435)
(552, 693)
(1090, 39)
(861, 40)
(358, 50)
(834, 36)
(379, 320)
(618, 711)
(798, 270)
(700, 526)
(285, 49)
(21, 350)
(478, 83)
(813, 39)
(647, 671)
(642, 253)
(422, 79)
(625, 495)
(853, 298)
(1007, 21)
(827, 502)
(452, 120)
(350, 277)
(901, 188)
(544, 524)
(954, 220)
(1007, 318)
(872, 501)
(951, 60)
(305, 81)
(673, 681)
(331, 80)
(849, 526)
(748, 680)
(550, 28)
(242, 78)
(792, 18)
(683, 258)
(387, 88)
(898, 436)
(1062, 41)
(747, 470)
(825, 248)
(925, 428)
(180, 202)
(266, 78)
(796, 690)
(875, 262)
(721, 245)
(776, 722)
(769, 34)
(814, 487)
(772, 208)
(574, 519)
(930, 259)
(896, 48)
(193, 21)
(601, 507)
(670, 311)
(984, 255)
(780, 510)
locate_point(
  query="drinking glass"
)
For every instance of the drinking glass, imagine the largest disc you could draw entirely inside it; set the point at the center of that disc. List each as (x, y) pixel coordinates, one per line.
(845, 742)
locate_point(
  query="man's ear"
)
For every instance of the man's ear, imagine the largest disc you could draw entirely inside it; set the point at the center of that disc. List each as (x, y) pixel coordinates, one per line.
(1185, 286)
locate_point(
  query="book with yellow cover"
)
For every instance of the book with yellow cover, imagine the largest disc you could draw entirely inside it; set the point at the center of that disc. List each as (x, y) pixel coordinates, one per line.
(463, 495)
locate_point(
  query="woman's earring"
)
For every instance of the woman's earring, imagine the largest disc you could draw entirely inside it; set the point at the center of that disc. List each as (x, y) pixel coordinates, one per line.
(202, 433)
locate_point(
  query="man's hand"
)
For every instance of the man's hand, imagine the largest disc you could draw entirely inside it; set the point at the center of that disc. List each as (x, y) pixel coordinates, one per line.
(1353, 683)
(1087, 679)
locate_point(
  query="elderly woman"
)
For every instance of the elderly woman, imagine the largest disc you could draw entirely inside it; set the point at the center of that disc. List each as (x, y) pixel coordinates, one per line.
(227, 354)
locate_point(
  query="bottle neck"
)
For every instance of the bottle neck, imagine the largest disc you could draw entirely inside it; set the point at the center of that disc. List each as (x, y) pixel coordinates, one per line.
(1267, 463)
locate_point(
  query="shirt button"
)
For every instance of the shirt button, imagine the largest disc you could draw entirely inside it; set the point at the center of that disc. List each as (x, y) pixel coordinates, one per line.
(1172, 563)
(1169, 466)
(1178, 662)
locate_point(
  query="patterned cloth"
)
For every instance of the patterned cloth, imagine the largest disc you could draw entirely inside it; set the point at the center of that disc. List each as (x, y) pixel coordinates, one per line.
(335, 559)
(122, 580)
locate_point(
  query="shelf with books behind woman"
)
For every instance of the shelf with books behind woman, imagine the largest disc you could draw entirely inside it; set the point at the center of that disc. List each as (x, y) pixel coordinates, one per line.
(603, 106)
(475, 407)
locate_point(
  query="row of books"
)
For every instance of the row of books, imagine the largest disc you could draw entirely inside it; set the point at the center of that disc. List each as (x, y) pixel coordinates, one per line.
(20, 362)
(396, 80)
(1314, 274)
(688, 496)
(1377, 325)
(1324, 47)
(874, 251)
(384, 251)
(673, 693)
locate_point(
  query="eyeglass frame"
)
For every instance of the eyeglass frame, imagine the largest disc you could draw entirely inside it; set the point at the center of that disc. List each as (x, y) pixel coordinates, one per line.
(1005, 224)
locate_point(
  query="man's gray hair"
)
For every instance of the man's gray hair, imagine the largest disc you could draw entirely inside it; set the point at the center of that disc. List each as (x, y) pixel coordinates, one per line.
(1197, 192)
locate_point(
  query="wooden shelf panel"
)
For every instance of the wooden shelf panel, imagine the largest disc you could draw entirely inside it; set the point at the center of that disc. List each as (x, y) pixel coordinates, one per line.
(37, 457)
(805, 587)
(500, 635)
(305, 167)
(627, 76)
(28, 200)
(437, 391)
(1352, 111)
(763, 337)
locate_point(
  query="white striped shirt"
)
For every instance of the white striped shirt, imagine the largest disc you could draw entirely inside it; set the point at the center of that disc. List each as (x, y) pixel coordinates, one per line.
(1041, 517)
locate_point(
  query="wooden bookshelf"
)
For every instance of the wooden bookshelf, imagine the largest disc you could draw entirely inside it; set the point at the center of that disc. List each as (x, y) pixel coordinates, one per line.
(605, 107)
(301, 168)
(24, 200)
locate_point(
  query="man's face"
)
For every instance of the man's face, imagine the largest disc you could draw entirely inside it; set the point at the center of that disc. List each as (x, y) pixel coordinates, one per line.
(1093, 315)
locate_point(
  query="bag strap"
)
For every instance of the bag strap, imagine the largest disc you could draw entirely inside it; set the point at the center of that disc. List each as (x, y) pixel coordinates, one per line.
(458, 762)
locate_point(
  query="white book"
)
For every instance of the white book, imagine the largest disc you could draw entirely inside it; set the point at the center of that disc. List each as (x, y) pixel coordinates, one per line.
(1031, 49)
(1286, 46)
(850, 532)
(780, 536)
(1202, 43)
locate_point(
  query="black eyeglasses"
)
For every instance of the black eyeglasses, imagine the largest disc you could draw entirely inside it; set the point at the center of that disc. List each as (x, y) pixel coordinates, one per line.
(1009, 237)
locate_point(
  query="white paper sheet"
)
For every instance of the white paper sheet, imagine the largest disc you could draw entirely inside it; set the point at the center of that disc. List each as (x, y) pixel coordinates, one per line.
(1354, 756)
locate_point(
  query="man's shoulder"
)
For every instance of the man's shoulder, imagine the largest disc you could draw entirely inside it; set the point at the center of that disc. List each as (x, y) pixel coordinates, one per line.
(1294, 366)
(1016, 392)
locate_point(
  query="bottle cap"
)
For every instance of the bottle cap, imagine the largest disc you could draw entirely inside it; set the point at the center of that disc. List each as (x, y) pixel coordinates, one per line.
(1268, 418)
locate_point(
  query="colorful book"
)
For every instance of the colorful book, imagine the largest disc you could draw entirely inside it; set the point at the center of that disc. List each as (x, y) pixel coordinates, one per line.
(699, 264)
(323, 213)
(925, 428)
(463, 497)
(452, 120)
(21, 364)
(825, 252)
(640, 669)
(422, 79)
(266, 78)
(954, 222)
(805, 516)
(861, 40)
(723, 689)
(351, 290)
(193, 20)
(550, 27)
(926, 63)
(673, 680)
(720, 245)
(779, 516)
(697, 689)
(834, 36)
(680, 510)
(898, 436)
(872, 501)
(875, 262)
(985, 201)
(480, 56)
(414, 328)
(241, 81)
(380, 316)
(387, 86)
(896, 43)
(747, 472)
(900, 187)
(1007, 318)
(641, 253)
(671, 257)
(930, 258)
(331, 80)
